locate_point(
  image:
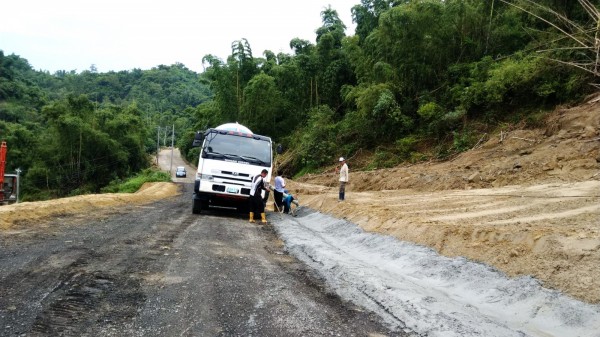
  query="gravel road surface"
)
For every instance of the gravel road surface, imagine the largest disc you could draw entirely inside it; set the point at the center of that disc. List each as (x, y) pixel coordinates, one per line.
(158, 270)
(415, 289)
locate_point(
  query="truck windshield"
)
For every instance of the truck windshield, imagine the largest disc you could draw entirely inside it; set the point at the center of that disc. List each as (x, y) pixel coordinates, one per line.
(237, 148)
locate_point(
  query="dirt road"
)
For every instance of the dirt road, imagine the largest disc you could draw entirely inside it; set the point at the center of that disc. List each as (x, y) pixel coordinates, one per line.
(170, 158)
(157, 270)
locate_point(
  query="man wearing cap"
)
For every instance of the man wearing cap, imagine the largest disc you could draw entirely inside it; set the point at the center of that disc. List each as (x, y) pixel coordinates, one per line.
(343, 169)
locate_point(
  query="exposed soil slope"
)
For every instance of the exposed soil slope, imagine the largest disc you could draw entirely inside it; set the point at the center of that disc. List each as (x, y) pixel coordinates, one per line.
(525, 201)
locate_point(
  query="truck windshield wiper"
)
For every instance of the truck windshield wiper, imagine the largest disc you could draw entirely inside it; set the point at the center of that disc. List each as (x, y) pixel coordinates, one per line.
(253, 159)
(214, 154)
(245, 158)
(233, 156)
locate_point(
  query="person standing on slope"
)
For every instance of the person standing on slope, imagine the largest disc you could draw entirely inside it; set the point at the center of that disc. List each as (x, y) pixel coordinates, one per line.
(343, 171)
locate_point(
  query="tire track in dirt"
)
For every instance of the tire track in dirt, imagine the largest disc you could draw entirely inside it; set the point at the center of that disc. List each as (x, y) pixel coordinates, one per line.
(93, 276)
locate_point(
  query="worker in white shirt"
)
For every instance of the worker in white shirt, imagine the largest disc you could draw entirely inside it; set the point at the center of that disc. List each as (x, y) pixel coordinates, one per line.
(343, 171)
(278, 192)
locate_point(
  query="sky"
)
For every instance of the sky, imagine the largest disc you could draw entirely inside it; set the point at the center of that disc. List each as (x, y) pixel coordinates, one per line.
(126, 34)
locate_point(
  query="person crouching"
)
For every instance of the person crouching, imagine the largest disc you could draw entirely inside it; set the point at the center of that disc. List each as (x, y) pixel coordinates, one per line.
(288, 200)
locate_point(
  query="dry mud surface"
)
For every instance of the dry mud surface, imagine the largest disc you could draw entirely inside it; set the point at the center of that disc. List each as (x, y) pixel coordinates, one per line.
(133, 267)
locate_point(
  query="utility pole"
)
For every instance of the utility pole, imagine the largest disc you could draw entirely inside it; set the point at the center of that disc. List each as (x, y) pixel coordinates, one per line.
(157, 144)
(18, 183)
(172, 144)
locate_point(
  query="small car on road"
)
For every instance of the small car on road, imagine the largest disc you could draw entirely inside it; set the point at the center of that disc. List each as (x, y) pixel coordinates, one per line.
(180, 172)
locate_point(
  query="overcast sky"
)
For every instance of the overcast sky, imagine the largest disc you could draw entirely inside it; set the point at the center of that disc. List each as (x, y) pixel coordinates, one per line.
(125, 34)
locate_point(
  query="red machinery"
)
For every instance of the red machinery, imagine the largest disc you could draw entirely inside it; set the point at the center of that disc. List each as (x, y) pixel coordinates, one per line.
(8, 182)
(2, 166)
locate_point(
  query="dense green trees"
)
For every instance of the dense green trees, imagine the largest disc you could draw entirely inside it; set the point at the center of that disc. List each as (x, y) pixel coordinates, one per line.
(75, 133)
(417, 79)
(427, 72)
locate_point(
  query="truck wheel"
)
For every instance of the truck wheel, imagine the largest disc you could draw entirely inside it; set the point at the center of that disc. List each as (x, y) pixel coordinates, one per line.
(196, 206)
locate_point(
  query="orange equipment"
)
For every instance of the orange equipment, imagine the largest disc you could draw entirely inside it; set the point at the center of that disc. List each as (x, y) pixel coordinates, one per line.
(2, 164)
(8, 182)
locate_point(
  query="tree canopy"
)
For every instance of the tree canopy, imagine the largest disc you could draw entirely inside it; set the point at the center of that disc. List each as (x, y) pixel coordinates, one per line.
(418, 79)
(73, 133)
(427, 73)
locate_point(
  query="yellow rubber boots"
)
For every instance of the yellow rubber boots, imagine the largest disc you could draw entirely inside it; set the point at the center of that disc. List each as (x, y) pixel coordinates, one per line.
(263, 217)
(252, 217)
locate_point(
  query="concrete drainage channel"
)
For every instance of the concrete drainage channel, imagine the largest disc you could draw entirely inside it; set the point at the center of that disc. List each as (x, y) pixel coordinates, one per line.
(423, 293)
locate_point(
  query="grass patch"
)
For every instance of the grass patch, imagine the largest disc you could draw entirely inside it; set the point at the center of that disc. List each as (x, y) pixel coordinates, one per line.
(133, 184)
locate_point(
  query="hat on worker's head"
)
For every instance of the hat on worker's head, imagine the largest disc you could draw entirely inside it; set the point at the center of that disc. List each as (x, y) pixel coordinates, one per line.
(342, 159)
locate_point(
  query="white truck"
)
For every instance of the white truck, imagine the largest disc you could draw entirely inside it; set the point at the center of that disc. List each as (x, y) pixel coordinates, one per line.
(230, 156)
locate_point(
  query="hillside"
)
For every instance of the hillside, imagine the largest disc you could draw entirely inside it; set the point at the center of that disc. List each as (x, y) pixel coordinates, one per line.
(565, 150)
(526, 201)
(527, 205)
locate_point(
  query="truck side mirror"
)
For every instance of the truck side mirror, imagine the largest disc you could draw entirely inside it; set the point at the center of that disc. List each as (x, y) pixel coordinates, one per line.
(279, 149)
(198, 138)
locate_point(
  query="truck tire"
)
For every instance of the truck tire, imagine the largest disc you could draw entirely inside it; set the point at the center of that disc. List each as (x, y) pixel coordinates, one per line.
(196, 206)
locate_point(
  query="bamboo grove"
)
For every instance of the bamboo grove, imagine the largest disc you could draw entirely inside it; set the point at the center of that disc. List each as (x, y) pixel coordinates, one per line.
(415, 80)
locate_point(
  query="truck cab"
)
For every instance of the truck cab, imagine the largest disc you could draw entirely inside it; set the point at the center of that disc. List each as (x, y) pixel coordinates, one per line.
(8, 190)
(230, 157)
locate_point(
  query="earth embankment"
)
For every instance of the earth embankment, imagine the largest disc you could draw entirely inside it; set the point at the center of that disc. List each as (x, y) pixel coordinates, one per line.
(526, 201)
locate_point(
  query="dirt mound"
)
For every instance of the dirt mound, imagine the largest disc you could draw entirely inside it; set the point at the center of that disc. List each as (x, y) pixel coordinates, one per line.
(33, 212)
(526, 201)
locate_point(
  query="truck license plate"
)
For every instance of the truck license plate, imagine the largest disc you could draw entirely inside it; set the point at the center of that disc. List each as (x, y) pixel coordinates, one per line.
(232, 190)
